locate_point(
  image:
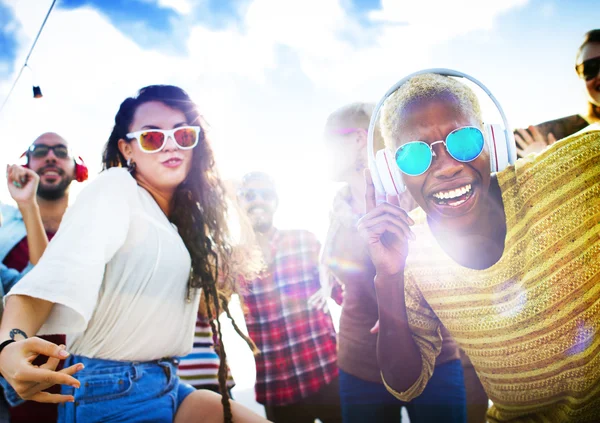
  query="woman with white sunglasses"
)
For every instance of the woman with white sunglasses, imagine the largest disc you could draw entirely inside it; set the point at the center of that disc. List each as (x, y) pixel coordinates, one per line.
(123, 277)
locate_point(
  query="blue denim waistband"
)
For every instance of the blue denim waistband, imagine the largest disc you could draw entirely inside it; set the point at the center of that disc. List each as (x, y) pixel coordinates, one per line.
(92, 364)
(99, 366)
(115, 390)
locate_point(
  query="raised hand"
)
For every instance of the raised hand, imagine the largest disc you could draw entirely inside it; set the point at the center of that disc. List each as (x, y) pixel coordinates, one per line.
(22, 184)
(386, 230)
(28, 380)
(532, 141)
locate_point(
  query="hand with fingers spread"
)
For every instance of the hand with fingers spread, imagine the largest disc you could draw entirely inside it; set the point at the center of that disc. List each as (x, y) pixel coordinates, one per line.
(22, 184)
(386, 230)
(30, 381)
(531, 140)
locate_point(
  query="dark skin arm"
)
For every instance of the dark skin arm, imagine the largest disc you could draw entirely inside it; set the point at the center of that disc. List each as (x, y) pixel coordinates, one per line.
(386, 230)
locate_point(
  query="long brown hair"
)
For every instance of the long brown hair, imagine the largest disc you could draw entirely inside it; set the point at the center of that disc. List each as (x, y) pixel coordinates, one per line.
(199, 211)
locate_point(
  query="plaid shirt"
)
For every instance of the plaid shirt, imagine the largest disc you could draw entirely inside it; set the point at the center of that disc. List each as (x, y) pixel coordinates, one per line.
(297, 343)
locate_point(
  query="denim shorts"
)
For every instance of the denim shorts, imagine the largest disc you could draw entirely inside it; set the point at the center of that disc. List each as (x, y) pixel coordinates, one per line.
(121, 391)
(10, 395)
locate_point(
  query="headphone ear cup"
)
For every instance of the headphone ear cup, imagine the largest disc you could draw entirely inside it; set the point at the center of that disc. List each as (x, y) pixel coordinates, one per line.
(24, 160)
(81, 170)
(375, 176)
(389, 174)
(498, 146)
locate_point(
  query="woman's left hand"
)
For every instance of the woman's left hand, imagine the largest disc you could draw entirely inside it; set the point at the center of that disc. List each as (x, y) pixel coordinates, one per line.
(22, 184)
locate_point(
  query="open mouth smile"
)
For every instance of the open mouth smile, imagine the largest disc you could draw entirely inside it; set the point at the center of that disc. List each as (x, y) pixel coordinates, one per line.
(454, 197)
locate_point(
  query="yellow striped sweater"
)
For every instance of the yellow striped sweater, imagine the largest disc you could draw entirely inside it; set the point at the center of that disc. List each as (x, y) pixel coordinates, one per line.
(531, 322)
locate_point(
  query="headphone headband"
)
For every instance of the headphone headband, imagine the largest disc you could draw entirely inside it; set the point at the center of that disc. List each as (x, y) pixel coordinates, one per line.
(512, 153)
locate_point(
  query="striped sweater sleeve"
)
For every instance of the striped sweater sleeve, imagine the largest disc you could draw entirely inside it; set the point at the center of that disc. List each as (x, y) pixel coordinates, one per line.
(426, 332)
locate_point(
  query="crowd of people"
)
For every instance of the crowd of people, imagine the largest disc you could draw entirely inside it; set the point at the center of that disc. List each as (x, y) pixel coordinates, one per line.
(466, 296)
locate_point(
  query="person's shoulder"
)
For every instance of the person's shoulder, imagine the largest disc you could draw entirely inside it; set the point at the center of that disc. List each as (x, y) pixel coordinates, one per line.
(551, 173)
(115, 179)
(575, 148)
(9, 213)
(111, 188)
(562, 127)
(116, 175)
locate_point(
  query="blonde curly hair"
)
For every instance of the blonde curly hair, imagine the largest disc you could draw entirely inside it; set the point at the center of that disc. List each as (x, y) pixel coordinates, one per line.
(426, 86)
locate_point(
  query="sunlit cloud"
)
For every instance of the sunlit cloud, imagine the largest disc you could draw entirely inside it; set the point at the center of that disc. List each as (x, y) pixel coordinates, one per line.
(265, 76)
(183, 7)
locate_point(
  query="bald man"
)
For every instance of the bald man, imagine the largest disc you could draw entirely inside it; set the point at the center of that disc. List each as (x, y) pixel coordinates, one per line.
(50, 157)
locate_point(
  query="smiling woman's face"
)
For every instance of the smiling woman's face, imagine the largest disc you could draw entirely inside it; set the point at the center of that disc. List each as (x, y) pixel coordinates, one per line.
(169, 167)
(464, 185)
(591, 51)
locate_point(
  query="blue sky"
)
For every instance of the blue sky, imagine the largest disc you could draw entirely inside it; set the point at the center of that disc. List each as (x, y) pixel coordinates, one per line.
(267, 72)
(160, 26)
(8, 42)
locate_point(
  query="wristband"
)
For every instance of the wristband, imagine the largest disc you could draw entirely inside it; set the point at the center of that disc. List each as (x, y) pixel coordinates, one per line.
(5, 343)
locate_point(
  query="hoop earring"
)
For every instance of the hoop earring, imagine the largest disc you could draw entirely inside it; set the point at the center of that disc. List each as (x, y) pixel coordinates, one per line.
(130, 165)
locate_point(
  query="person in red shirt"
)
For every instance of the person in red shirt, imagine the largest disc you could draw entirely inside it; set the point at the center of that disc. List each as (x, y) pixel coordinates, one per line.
(50, 157)
(296, 370)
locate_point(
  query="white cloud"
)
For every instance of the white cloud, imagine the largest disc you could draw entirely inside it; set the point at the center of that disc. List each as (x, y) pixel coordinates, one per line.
(266, 81)
(449, 18)
(183, 7)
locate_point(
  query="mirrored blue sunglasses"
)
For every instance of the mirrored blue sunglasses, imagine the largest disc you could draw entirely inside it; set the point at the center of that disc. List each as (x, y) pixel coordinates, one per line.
(464, 144)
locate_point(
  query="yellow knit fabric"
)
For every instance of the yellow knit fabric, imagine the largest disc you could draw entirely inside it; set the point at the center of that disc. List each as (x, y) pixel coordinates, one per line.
(531, 322)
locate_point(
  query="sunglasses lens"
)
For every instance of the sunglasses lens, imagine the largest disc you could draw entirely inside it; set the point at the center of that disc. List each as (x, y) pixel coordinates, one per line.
(152, 140)
(268, 195)
(249, 195)
(61, 152)
(591, 68)
(40, 151)
(413, 158)
(186, 137)
(466, 144)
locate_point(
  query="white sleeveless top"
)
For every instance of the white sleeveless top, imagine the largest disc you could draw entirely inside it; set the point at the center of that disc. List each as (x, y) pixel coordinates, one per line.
(117, 271)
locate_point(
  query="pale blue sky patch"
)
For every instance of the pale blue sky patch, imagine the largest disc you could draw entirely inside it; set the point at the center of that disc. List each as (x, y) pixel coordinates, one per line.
(8, 41)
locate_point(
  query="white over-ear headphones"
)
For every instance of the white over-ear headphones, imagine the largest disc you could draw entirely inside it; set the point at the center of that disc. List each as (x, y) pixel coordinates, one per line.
(387, 177)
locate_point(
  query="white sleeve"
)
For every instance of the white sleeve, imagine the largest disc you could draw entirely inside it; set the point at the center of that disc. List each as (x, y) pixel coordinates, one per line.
(71, 270)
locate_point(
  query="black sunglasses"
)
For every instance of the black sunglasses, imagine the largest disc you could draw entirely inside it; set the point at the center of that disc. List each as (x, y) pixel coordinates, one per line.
(39, 151)
(251, 194)
(588, 69)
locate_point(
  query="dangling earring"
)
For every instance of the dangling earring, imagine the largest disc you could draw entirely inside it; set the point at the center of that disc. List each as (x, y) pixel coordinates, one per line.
(130, 165)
